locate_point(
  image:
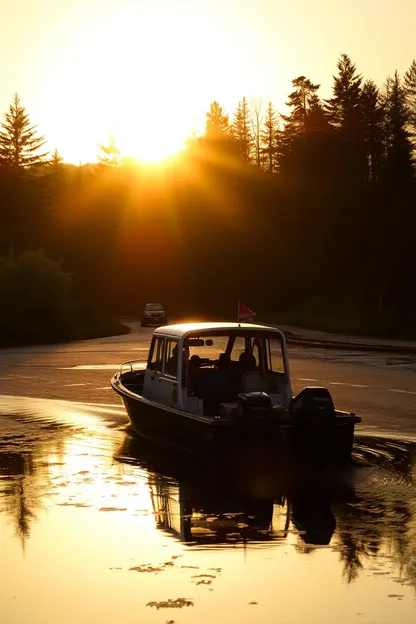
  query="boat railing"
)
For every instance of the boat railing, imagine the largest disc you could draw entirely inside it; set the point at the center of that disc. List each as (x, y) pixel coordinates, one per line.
(131, 366)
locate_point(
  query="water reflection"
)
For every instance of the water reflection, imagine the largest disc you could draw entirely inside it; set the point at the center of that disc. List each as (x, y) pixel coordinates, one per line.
(86, 496)
(37, 448)
(20, 498)
(204, 517)
(366, 512)
(201, 518)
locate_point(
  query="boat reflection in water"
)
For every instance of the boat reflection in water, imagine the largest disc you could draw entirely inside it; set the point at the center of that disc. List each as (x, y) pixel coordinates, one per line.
(200, 518)
(203, 504)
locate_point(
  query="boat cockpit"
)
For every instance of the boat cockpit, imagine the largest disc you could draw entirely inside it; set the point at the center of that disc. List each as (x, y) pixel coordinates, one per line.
(210, 369)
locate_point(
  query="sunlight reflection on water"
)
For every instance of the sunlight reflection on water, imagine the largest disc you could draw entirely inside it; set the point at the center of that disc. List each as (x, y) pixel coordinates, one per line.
(97, 526)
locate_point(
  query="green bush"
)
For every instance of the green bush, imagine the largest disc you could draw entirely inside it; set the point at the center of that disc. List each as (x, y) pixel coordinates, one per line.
(38, 305)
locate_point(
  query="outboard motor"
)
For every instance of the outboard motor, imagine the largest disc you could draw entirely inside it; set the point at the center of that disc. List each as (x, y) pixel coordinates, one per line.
(313, 415)
(254, 405)
(311, 404)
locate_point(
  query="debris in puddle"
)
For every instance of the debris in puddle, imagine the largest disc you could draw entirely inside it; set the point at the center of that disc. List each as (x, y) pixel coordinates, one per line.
(203, 582)
(396, 595)
(253, 602)
(212, 576)
(178, 603)
(67, 504)
(188, 567)
(147, 567)
(120, 482)
(113, 509)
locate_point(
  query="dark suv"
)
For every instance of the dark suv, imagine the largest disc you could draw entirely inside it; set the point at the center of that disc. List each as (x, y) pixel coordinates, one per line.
(153, 314)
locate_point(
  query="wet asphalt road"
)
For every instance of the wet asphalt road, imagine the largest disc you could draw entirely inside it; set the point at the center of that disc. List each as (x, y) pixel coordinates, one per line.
(379, 387)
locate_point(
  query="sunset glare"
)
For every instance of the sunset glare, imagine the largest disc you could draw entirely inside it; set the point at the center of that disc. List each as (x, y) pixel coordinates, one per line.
(147, 71)
(146, 76)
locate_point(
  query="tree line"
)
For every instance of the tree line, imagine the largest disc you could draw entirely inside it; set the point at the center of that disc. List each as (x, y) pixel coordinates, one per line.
(307, 216)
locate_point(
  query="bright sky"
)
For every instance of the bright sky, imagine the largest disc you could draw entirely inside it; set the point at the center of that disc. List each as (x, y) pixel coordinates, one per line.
(148, 69)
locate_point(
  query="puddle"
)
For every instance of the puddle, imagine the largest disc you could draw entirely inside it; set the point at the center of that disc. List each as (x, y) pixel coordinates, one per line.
(109, 528)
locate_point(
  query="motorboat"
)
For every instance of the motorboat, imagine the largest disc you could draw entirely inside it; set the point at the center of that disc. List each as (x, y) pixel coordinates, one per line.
(209, 387)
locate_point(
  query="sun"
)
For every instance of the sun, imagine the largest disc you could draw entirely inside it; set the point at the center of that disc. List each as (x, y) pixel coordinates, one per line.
(153, 152)
(144, 76)
(150, 141)
(154, 99)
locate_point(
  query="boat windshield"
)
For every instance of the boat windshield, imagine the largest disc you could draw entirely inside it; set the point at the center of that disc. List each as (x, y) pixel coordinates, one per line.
(260, 352)
(208, 348)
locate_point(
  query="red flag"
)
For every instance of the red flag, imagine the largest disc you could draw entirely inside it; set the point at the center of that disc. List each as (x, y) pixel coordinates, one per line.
(245, 314)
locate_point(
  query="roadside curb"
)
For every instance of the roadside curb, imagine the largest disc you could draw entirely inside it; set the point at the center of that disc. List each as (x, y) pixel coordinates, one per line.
(297, 340)
(293, 340)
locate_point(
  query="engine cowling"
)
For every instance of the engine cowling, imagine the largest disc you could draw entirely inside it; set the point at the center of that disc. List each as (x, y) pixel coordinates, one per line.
(252, 405)
(313, 406)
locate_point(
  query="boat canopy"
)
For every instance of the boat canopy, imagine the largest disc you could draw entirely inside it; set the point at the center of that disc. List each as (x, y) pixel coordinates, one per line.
(183, 329)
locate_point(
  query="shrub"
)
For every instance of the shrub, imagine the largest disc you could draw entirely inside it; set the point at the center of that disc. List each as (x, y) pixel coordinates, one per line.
(38, 305)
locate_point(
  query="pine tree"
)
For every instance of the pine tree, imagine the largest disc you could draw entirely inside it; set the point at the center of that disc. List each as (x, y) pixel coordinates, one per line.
(256, 126)
(110, 156)
(19, 145)
(397, 202)
(316, 120)
(344, 108)
(300, 100)
(56, 159)
(242, 130)
(192, 140)
(270, 138)
(373, 119)
(305, 151)
(398, 144)
(217, 124)
(410, 91)
(344, 112)
(302, 119)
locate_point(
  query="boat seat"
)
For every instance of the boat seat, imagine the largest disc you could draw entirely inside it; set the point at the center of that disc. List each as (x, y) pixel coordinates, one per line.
(259, 381)
(217, 386)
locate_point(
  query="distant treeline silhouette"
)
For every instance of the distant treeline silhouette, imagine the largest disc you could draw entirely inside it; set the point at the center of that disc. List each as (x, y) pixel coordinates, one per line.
(308, 217)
